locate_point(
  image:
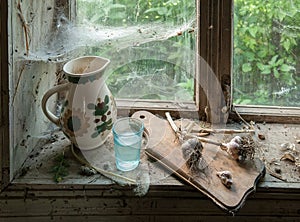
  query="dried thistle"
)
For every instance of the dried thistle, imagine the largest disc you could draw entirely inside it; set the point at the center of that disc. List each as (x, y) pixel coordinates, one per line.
(241, 148)
(192, 153)
(143, 183)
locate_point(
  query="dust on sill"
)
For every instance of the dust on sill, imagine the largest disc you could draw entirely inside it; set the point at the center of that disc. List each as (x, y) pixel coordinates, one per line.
(279, 141)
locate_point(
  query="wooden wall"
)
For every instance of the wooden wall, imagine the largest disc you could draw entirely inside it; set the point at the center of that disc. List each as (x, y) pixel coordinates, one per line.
(32, 23)
(4, 111)
(114, 203)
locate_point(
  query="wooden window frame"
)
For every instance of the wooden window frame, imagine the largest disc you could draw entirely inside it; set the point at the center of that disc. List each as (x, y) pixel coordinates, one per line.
(4, 107)
(214, 43)
(214, 46)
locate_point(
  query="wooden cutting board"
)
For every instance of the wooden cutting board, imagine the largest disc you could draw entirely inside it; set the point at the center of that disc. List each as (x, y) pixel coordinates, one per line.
(164, 147)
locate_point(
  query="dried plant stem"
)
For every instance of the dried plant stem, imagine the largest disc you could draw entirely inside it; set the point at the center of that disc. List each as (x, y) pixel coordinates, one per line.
(223, 146)
(18, 83)
(273, 174)
(205, 130)
(103, 172)
(241, 118)
(188, 135)
(238, 148)
(225, 131)
(25, 26)
(174, 127)
(172, 123)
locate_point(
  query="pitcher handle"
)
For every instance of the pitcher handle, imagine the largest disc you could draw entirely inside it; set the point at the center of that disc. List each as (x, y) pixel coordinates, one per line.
(59, 88)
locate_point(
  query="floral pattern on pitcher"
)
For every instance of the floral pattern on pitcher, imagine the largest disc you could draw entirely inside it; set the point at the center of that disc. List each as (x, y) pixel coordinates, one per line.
(102, 115)
(85, 121)
(75, 123)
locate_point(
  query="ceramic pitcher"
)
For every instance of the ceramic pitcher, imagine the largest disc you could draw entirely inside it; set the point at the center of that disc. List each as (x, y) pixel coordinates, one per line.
(89, 109)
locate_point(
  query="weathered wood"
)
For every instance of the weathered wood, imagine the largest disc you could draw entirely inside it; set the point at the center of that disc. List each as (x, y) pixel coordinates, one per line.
(114, 202)
(4, 100)
(270, 114)
(127, 107)
(31, 29)
(214, 40)
(165, 148)
(176, 218)
(37, 176)
(164, 201)
(269, 149)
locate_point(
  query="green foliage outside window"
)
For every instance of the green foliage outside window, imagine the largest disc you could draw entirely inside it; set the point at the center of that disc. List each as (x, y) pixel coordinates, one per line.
(266, 46)
(266, 52)
(127, 12)
(150, 78)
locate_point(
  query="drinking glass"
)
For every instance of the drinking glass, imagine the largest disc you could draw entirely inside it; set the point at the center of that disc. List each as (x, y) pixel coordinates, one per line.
(127, 134)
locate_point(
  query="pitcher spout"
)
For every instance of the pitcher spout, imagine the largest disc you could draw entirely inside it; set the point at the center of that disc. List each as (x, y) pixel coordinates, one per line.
(85, 69)
(86, 65)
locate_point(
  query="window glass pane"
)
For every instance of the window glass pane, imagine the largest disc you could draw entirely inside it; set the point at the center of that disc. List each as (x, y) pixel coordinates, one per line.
(150, 44)
(266, 68)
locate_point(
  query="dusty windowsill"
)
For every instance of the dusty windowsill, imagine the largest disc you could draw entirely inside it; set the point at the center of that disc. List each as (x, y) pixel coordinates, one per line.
(37, 167)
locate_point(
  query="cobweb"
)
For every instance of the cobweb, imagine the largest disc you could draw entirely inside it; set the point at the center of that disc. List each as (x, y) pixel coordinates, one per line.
(69, 37)
(134, 41)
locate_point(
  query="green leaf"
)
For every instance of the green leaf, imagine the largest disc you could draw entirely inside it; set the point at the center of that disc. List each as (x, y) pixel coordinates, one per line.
(286, 45)
(273, 60)
(109, 124)
(279, 62)
(106, 99)
(250, 56)
(109, 121)
(286, 68)
(100, 112)
(101, 128)
(253, 31)
(60, 168)
(262, 53)
(281, 15)
(252, 44)
(260, 66)
(276, 73)
(266, 71)
(246, 67)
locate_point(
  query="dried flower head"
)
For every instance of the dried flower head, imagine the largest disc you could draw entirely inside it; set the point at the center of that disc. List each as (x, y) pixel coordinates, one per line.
(241, 148)
(143, 183)
(192, 153)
